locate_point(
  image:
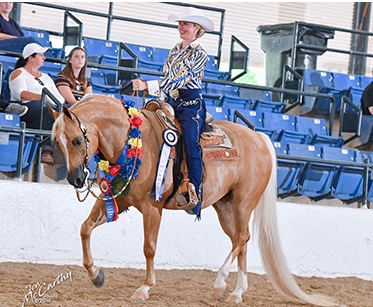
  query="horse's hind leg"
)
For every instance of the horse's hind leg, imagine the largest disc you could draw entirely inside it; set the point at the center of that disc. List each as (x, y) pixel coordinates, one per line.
(236, 227)
(95, 218)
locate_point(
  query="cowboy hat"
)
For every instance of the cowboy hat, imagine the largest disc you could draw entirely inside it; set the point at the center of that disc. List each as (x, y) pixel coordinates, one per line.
(191, 14)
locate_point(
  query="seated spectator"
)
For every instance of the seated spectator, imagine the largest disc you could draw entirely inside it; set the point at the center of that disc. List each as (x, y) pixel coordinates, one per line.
(367, 100)
(9, 28)
(72, 81)
(26, 83)
(11, 35)
(12, 108)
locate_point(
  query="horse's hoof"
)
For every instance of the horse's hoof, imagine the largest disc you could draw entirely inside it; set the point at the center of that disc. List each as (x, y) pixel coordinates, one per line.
(221, 293)
(99, 280)
(139, 296)
(234, 299)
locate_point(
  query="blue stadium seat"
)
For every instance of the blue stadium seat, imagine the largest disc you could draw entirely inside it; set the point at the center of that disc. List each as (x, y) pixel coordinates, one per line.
(250, 118)
(216, 74)
(322, 105)
(287, 172)
(9, 145)
(268, 106)
(234, 102)
(102, 52)
(211, 63)
(212, 100)
(322, 82)
(99, 47)
(345, 81)
(318, 131)
(316, 77)
(277, 121)
(311, 125)
(365, 81)
(283, 128)
(8, 63)
(5, 90)
(51, 68)
(42, 37)
(315, 178)
(160, 55)
(348, 181)
(106, 59)
(221, 89)
(10, 120)
(355, 96)
(218, 113)
(143, 53)
(111, 75)
(327, 140)
(147, 65)
(100, 84)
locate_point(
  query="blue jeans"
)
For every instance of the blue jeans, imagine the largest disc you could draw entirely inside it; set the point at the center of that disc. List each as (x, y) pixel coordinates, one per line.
(32, 119)
(190, 111)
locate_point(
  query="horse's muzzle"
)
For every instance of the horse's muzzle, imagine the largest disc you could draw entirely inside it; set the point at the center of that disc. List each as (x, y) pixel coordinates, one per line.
(77, 177)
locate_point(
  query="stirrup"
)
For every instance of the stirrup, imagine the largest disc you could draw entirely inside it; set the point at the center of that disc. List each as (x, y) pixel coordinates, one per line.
(183, 204)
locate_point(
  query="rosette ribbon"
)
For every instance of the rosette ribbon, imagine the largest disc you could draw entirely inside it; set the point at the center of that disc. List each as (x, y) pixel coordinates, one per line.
(170, 139)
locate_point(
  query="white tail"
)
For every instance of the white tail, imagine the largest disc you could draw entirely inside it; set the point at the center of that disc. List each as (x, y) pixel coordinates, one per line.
(274, 260)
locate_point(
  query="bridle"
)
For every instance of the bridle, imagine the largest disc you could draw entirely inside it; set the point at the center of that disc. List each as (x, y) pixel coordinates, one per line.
(87, 187)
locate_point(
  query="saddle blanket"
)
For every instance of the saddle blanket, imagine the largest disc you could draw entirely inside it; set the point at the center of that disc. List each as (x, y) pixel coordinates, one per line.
(216, 145)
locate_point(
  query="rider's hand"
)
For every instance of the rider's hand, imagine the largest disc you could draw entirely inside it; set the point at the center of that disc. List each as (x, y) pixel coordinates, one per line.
(139, 84)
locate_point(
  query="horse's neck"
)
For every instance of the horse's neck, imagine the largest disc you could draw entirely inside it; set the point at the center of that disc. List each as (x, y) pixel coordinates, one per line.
(113, 135)
(111, 132)
(112, 147)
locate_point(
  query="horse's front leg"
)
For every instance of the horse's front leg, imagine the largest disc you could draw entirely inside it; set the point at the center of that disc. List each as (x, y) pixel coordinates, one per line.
(95, 218)
(151, 223)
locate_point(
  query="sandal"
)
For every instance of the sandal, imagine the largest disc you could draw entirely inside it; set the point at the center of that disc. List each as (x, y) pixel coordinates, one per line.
(46, 157)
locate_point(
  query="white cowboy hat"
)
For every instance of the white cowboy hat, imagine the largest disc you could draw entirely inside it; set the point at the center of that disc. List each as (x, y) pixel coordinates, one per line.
(32, 48)
(191, 14)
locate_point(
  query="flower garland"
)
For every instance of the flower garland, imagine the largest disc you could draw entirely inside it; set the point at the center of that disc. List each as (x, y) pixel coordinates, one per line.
(115, 178)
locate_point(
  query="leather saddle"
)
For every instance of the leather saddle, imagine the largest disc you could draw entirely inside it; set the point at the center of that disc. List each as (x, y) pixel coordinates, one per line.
(216, 144)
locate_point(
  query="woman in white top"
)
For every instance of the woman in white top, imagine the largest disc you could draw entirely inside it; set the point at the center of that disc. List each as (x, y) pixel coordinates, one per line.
(26, 83)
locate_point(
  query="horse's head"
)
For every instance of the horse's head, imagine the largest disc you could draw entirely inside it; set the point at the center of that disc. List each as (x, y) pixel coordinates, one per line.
(70, 134)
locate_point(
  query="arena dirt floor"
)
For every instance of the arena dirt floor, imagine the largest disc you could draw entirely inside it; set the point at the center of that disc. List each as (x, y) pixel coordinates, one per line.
(69, 286)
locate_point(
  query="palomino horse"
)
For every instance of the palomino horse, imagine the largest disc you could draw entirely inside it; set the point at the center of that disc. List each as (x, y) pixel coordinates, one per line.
(233, 187)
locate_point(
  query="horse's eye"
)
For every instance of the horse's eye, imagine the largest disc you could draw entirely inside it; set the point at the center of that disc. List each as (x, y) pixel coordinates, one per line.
(78, 141)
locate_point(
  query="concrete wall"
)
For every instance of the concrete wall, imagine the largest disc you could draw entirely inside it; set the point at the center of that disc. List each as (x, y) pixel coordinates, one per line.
(40, 223)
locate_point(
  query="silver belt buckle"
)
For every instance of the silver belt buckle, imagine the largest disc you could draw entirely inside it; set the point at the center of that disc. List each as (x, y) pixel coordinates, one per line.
(174, 94)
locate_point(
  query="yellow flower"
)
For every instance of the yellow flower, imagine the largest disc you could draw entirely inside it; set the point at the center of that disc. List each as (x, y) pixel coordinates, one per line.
(132, 111)
(135, 142)
(104, 165)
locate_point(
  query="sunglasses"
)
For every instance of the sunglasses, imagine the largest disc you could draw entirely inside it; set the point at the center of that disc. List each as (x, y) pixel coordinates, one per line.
(40, 82)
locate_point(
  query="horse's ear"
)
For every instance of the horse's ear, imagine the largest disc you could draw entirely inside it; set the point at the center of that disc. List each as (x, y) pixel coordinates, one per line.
(65, 110)
(53, 112)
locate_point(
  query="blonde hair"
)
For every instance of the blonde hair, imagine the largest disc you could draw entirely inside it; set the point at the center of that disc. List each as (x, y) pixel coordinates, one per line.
(200, 31)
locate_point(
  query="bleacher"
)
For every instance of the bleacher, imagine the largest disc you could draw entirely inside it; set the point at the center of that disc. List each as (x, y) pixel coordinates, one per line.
(335, 84)
(311, 161)
(292, 135)
(16, 147)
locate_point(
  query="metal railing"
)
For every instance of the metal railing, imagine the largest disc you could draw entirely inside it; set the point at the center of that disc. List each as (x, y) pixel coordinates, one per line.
(297, 44)
(110, 17)
(366, 166)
